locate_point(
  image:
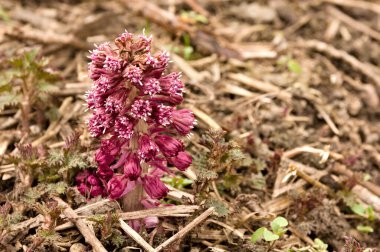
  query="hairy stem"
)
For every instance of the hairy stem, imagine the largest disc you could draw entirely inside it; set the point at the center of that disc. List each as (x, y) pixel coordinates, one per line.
(132, 200)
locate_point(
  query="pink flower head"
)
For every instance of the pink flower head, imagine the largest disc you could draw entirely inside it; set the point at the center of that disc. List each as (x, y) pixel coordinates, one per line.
(115, 102)
(123, 127)
(96, 190)
(154, 187)
(141, 109)
(163, 114)
(150, 86)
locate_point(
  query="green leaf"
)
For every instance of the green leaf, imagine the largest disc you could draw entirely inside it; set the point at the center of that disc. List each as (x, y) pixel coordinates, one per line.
(187, 52)
(269, 236)
(278, 224)
(258, 234)
(370, 213)
(294, 67)
(365, 229)
(280, 221)
(320, 245)
(359, 209)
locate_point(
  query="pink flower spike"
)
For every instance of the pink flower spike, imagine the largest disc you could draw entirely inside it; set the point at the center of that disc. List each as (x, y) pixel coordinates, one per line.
(154, 187)
(132, 168)
(182, 161)
(168, 145)
(135, 117)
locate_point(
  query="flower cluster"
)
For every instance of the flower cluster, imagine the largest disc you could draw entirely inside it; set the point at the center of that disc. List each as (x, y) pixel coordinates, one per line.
(89, 184)
(135, 116)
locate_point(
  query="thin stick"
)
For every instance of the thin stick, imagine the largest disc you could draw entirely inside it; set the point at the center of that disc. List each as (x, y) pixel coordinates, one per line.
(82, 226)
(309, 179)
(135, 236)
(356, 4)
(206, 119)
(181, 233)
(353, 23)
(365, 68)
(328, 120)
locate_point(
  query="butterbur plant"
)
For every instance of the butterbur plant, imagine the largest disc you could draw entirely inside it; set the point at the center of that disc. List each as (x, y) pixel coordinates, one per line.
(135, 117)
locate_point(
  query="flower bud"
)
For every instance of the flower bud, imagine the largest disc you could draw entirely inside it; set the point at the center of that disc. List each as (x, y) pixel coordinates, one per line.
(93, 180)
(82, 188)
(82, 176)
(183, 121)
(116, 187)
(132, 168)
(147, 148)
(182, 161)
(104, 172)
(96, 191)
(103, 158)
(168, 145)
(154, 187)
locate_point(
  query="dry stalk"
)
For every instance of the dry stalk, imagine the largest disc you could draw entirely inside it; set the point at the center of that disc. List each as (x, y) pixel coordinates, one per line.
(135, 236)
(365, 68)
(353, 23)
(186, 229)
(82, 226)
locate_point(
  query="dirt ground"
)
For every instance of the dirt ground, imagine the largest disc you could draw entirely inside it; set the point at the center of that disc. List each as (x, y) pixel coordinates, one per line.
(294, 85)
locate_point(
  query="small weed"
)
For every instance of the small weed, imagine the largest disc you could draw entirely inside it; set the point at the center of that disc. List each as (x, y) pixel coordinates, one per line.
(278, 229)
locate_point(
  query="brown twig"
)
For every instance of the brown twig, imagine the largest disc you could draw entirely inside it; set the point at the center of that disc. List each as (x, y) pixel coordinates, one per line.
(204, 41)
(173, 211)
(353, 23)
(341, 169)
(81, 225)
(365, 68)
(135, 236)
(366, 5)
(46, 37)
(186, 229)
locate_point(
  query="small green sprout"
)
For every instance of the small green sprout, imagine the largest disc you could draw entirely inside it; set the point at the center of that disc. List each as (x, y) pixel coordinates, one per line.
(292, 65)
(364, 229)
(319, 245)
(278, 229)
(366, 212)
